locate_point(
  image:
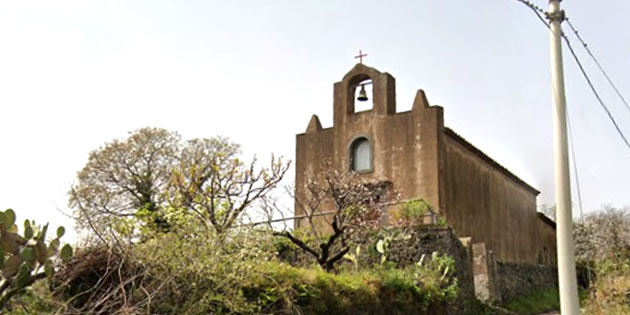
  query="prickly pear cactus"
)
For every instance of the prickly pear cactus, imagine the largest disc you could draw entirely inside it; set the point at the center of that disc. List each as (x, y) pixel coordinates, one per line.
(26, 257)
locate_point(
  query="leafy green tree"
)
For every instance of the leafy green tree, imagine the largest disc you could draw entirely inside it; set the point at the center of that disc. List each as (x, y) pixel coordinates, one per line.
(26, 258)
(125, 176)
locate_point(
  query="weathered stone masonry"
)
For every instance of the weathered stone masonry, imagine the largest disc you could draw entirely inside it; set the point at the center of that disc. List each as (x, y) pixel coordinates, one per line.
(479, 197)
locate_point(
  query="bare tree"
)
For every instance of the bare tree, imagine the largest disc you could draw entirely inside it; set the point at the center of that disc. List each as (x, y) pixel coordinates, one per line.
(603, 235)
(213, 183)
(333, 210)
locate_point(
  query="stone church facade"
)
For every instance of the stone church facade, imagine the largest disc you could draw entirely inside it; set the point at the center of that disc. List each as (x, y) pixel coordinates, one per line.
(477, 196)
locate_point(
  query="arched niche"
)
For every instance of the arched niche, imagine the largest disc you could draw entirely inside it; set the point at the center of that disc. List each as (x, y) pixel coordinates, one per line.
(361, 155)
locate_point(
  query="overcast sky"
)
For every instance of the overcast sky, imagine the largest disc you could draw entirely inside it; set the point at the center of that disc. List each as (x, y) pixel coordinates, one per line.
(77, 74)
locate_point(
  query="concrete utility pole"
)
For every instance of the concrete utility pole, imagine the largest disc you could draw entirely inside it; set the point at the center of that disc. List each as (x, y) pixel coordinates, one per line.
(569, 303)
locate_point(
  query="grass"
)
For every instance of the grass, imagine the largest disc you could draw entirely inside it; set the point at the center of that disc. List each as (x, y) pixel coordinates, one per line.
(535, 303)
(370, 291)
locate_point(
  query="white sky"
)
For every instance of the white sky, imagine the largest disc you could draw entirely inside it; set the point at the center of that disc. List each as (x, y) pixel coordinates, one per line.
(77, 74)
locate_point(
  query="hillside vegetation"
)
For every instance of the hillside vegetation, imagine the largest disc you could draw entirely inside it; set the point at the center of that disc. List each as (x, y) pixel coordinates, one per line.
(204, 273)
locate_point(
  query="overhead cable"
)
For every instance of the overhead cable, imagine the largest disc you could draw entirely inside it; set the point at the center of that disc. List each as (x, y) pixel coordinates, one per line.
(599, 99)
(538, 11)
(588, 50)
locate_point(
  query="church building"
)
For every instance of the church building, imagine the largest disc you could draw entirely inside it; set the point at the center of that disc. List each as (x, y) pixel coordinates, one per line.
(413, 150)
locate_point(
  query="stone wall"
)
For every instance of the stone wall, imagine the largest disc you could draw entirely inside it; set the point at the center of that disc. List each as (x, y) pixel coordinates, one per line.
(498, 282)
(424, 240)
(520, 279)
(478, 271)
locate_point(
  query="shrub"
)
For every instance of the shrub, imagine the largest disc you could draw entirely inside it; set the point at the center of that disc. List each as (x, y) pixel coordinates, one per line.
(209, 273)
(28, 257)
(603, 247)
(410, 212)
(610, 294)
(377, 290)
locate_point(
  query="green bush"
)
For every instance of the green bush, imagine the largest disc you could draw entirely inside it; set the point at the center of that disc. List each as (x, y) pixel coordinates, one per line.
(410, 212)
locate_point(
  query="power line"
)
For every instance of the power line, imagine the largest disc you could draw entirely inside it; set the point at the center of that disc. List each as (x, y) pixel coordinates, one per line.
(575, 170)
(590, 84)
(577, 185)
(538, 11)
(598, 65)
(532, 6)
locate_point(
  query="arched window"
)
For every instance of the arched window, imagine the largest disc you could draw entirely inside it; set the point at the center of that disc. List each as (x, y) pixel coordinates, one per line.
(361, 155)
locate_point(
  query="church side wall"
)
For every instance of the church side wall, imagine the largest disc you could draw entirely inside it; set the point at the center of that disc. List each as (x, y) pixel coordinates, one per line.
(547, 236)
(485, 203)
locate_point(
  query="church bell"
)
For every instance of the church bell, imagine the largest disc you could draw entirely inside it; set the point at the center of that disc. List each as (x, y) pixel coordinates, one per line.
(362, 95)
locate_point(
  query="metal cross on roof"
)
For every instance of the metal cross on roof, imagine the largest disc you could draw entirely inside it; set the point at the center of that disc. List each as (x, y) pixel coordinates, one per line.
(360, 56)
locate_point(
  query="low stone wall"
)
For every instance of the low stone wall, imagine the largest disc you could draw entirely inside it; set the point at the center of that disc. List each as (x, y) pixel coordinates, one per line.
(497, 282)
(477, 271)
(406, 247)
(424, 240)
(513, 279)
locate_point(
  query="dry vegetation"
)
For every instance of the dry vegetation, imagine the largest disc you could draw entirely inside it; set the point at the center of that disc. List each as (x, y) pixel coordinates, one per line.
(603, 245)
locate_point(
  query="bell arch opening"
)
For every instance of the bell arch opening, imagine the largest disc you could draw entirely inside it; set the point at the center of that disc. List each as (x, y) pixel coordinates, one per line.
(360, 94)
(363, 96)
